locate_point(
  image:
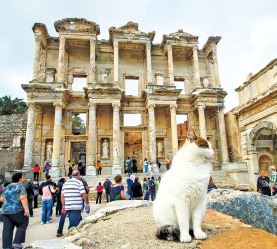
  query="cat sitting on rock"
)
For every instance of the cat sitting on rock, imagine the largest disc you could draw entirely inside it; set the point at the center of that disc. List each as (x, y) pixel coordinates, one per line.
(180, 205)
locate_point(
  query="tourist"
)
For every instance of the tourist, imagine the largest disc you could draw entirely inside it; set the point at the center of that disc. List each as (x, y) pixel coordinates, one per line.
(263, 184)
(107, 185)
(47, 201)
(117, 190)
(58, 194)
(130, 181)
(136, 190)
(273, 180)
(30, 195)
(15, 213)
(167, 162)
(211, 185)
(36, 170)
(72, 196)
(70, 167)
(46, 169)
(134, 165)
(128, 165)
(36, 194)
(145, 165)
(98, 167)
(145, 189)
(99, 190)
(152, 188)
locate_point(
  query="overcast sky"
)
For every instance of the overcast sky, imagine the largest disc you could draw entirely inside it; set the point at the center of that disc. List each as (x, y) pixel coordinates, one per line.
(248, 29)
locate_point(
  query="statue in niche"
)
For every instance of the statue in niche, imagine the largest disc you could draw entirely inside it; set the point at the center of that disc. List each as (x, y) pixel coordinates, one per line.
(105, 149)
(160, 149)
(49, 151)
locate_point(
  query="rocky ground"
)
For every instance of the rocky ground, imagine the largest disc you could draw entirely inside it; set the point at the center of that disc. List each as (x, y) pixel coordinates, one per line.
(130, 224)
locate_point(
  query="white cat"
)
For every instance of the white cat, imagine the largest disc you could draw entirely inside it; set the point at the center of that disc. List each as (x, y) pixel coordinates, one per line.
(180, 204)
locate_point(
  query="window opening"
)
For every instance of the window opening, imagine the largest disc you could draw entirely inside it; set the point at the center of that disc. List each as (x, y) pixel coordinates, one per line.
(132, 86)
(79, 123)
(132, 119)
(180, 84)
(79, 83)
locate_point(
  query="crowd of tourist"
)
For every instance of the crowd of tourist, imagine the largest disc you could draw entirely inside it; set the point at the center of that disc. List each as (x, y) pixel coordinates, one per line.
(71, 197)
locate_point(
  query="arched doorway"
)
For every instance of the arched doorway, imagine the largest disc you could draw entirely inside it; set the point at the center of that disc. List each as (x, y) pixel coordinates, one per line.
(264, 163)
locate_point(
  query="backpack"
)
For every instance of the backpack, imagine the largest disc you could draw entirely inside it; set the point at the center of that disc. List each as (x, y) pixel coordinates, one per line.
(152, 184)
(40, 188)
(114, 195)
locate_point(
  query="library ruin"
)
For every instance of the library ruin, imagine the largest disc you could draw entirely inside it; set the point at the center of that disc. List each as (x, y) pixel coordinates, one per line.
(105, 100)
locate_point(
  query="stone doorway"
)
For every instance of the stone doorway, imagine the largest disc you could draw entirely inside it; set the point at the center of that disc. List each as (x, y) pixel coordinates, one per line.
(133, 147)
(78, 152)
(264, 163)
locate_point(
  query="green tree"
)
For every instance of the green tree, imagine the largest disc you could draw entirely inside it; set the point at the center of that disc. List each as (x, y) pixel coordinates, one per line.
(78, 124)
(10, 106)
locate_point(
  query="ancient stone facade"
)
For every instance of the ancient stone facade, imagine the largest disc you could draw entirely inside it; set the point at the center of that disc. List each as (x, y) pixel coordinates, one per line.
(107, 68)
(252, 129)
(12, 141)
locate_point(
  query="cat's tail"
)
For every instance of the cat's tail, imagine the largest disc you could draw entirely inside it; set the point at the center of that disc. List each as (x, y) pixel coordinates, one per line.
(168, 232)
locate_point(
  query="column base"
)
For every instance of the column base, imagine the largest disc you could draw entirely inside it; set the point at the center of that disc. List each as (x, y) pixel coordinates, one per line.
(55, 172)
(90, 171)
(116, 170)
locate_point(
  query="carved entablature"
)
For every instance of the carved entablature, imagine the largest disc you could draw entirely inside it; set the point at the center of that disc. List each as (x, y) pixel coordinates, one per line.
(130, 30)
(45, 93)
(208, 96)
(41, 32)
(77, 25)
(103, 93)
(210, 43)
(77, 71)
(180, 38)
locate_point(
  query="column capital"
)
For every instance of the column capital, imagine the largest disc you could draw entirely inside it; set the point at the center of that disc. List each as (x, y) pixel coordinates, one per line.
(173, 107)
(214, 49)
(148, 45)
(62, 38)
(92, 104)
(58, 105)
(221, 108)
(151, 107)
(31, 105)
(115, 105)
(201, 107)
(92, 40)
(38, 37)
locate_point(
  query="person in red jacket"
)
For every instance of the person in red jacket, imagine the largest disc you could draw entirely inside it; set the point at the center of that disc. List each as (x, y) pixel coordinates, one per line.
(99, 189)
(36, 170)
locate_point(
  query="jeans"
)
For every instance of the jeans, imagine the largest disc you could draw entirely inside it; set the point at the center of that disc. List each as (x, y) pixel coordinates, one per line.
(61, 223)
(9, 222)
(46, 210)
(153, 194)
(74, 218)
(108, 195)
(59, 205)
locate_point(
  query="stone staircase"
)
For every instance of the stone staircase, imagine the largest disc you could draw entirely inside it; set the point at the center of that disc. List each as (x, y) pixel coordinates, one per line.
(222, 179)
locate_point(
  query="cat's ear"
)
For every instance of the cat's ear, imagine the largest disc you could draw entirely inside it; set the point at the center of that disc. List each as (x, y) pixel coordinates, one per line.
(191, 136)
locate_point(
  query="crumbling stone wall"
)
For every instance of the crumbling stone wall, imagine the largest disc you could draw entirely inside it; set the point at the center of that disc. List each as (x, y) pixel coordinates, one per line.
(12, 157)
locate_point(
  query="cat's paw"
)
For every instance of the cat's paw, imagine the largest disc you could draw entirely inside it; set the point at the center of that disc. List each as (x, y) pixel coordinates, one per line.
(200, 235)
(186, 238)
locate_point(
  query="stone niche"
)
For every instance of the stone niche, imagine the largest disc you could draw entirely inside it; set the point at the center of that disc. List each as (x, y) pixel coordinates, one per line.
(105, 148)
(160, 147)
(50, 75)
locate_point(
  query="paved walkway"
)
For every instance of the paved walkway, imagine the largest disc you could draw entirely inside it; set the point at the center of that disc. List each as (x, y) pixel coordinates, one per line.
(36, 231)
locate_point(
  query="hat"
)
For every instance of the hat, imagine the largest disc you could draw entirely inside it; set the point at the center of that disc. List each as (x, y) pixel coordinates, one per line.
(29, 180)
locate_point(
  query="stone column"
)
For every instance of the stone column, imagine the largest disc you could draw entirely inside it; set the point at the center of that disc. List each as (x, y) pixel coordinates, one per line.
(149, 62)
(92, 140)
(253, 166)
(37, 52)
(170, 63)
(216, 73)
(152, 133)
(55, 170)
(174, 134)
(196, 66)
(115, 60)
(92, 61)
(223, 137)
(28, 154)
(116, 140)
(202, 121)
(61, 60)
